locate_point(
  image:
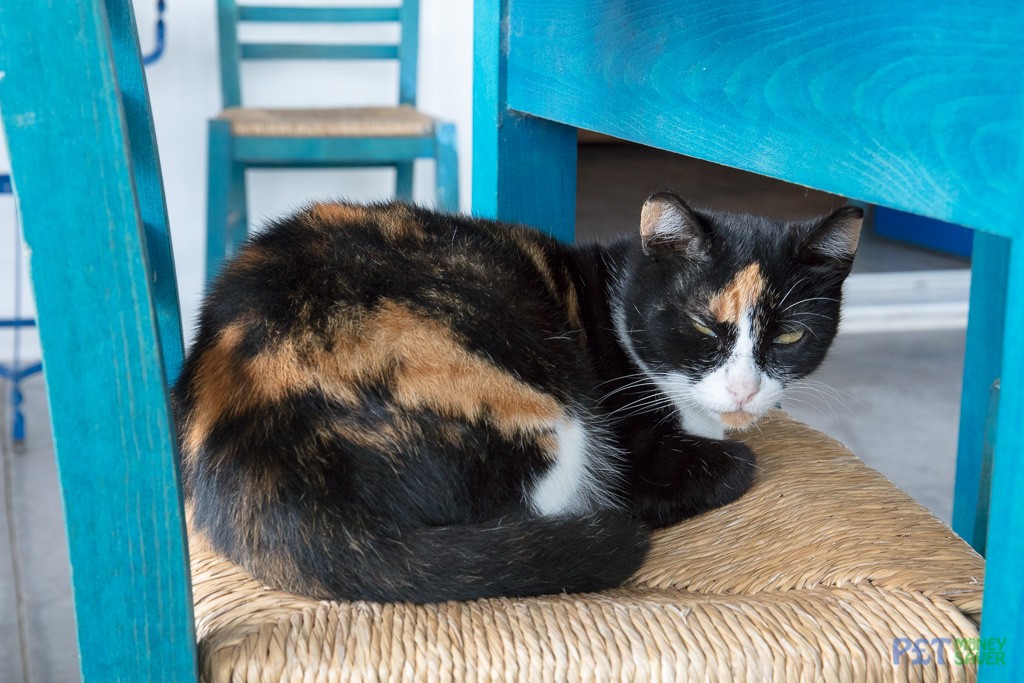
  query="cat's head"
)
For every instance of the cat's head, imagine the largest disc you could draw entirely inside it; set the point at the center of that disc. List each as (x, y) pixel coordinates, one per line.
(722, 311)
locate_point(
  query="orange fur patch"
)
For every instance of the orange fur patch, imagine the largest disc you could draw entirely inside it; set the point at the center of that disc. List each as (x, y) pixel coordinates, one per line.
(427, 366)
(397, 222)
(737, 419)
(527, 244)
(572, 307)
(433, 370)
(739, 295)
(332, 214)
(217, 389)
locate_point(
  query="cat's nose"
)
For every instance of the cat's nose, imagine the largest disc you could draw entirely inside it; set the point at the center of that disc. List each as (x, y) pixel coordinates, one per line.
(744, 390)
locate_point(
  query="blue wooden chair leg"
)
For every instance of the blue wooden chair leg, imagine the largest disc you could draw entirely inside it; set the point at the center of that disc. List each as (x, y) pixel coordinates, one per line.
(1003, 609)
(447, 176)
(524, 168)
(981, 368)
(403, 181)
(226, 214)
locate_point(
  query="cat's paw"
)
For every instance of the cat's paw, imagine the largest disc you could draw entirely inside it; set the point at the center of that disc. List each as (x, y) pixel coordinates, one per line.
(685, 476)
(736, 469)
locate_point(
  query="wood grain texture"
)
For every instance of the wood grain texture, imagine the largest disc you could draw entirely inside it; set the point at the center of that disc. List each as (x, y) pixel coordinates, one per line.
(148, 183)
(67, 136)
(524, 168)
(915, 105)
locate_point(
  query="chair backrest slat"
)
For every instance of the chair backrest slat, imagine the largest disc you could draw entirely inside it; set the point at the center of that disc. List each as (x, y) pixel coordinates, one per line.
(408, 52)
(317, 51)
(351, 15)
(233, 50)
(74, 103)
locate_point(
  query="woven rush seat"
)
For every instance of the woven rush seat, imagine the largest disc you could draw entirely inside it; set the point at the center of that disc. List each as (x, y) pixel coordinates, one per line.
(351, 122)
(811, 575)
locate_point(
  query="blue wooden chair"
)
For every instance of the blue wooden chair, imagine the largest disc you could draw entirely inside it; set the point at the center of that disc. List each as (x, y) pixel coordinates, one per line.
(241, 137)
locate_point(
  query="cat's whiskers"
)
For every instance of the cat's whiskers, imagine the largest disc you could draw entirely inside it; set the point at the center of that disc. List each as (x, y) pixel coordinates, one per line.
(567, 336)
(803, 301)
(818, 394)
(817, 315)
(632, 385)
(623, 377)
(790, 397)
(824, 389)
(825, 393)
(645, 405)
(828, 387)
(795, 285)
(804, 325)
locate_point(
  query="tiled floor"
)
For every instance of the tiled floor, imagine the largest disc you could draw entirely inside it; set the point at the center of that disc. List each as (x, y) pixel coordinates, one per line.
(893, 400)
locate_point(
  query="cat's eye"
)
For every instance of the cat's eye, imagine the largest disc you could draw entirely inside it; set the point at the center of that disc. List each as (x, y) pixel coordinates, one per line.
(789, 337)
(702, 328)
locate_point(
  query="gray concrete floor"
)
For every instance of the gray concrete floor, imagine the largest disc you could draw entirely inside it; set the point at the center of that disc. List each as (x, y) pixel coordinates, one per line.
(892, 398)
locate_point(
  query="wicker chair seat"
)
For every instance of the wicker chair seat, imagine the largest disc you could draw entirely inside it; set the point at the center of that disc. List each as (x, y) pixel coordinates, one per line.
(811, 575)
(351, 122)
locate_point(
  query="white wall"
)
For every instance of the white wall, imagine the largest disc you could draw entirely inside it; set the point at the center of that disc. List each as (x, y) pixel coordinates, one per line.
(184, 90)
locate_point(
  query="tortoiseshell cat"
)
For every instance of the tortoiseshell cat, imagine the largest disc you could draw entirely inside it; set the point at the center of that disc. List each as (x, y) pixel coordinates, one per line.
(387, 403)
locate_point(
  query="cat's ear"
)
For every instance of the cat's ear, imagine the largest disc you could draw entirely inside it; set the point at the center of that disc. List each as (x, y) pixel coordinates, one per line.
(667, 224)
(836, 236)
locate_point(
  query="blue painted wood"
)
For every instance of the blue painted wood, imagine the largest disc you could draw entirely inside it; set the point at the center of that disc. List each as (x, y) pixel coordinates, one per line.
(982, 359)
(148, 181)
(987, 459)
(915, 105)
(921, 231)
(67, 136)
(317, 51)
(300, 151)
(229, 53)
(447, 176)
(1003, 608)
(226, 213)
(524, 168)
(352, 15)
(488, 103)
(404, 181)
(409, 52)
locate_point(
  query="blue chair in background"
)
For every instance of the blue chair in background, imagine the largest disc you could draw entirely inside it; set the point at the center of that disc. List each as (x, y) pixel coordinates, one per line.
(16, 373)
(242, 137)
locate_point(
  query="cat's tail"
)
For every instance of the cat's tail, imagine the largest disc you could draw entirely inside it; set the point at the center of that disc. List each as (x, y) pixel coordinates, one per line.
(513, 556)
